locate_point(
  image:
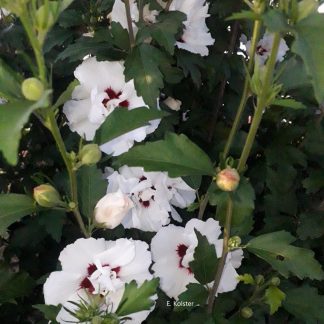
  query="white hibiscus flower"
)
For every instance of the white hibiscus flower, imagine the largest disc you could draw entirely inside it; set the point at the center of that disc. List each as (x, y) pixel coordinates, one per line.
(153, 194)
(173, 249)
(195, 37)
(264, 47)
(103, 88)
(96, 266)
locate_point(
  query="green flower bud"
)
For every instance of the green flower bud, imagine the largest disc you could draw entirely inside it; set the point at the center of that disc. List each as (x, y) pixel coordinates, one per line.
(246, 312)
(32, 89)
(90, 154)
(45, 17)
(47, 196)
(275, 281)
(228, 179)
(234, 242)
(259, 279)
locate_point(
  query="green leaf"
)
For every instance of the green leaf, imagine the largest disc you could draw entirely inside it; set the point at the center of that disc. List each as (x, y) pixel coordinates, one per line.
(274, 297)
(314, 182)
(14, 285)
(13, 117)
(175, 154)
(289, 103)
(165, 31)
(50, 312)
(119, 35)
(310, 46)
(142, 65)
(66, 95)
(306, 304)
(195, 295)
(205, 260)
(12, 208)
(136, 299)
(118, 122)
(10, 82)
(92, 186)
(287, 259)
(246, 278)
(53, 221)
(310, 225)
(275, 21)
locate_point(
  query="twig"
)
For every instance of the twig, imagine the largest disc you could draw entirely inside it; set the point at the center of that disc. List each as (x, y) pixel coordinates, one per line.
(129, 23)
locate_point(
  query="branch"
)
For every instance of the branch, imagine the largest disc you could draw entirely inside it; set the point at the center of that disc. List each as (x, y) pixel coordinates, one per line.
(129, 23)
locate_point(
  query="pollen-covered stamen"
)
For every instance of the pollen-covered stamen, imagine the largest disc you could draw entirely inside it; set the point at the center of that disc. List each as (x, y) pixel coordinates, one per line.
(113, 95)
(261, 50)
(181, 251)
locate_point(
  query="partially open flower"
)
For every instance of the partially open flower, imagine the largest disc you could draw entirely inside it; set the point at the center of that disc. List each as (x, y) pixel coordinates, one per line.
(228, 179)
(112, 208)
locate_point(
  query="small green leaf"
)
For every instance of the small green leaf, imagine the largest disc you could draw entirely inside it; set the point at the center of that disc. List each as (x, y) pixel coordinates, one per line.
(92, 186)
(137, 298)
(121, 121)
(287, 259)
(13, 116)
(305, 303)
(50, 312)
(13, 207)
(246, 278)
(275, 21)
(310, 46)
(289, 103)
(10, 82)
(274, 297)
(205, 260)
(142, 65)
(53, 221)
(314, 182)
(195, 295)
(175, 154)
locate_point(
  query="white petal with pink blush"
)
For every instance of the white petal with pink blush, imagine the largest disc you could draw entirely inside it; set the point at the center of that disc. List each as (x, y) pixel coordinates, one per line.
(103, 89)
(173, 249)
(96, 266)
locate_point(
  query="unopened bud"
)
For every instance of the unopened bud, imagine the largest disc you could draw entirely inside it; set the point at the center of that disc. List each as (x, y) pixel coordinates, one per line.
(246, 312)
(275, 281)
(32, 89)
(234, 242)
(259, 279)
(44, 16)
(228, 179)
(173, 104)
(90, 154)
(47, 196)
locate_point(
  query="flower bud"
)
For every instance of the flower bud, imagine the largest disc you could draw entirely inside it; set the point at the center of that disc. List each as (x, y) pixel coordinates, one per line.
(173, 104)
(228, 179)
(112, 208)
(234, 242)
(275, 281)
(32, 89)
(44, 16)
(47, 196)
(90, 154)
(246, 312)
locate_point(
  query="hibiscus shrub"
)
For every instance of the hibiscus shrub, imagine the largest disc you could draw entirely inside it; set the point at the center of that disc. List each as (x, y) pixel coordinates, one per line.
(161, 161)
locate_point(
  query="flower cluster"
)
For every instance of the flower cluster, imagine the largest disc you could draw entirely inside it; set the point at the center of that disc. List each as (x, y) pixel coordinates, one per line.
(195, 38)
(95, 267)
(102, 89)
(154, 196)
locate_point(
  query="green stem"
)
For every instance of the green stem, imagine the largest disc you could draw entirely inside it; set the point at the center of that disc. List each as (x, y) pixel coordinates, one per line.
(245, 95)
(129, 23)
(36, 47)
(141, 10)
(203, 205)
(167, 7)
(52, 126)
(261, 104)
(222, 260)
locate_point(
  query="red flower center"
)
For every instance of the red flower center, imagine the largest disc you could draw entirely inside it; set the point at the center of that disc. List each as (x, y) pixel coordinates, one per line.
(260, 50)
(86, 283)
(113, 95)
(181, 251)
